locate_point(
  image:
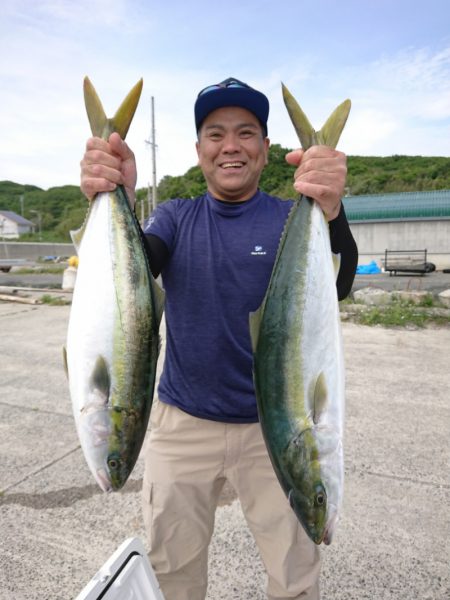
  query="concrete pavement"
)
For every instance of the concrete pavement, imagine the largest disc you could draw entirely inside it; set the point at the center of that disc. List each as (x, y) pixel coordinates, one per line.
(432, 282)
(57, 528)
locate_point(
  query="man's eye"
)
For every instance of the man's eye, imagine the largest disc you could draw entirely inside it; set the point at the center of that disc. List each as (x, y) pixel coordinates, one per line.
(246, 133)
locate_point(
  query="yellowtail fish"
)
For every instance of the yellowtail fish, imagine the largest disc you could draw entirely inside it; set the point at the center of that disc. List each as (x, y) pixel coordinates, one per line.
(298, 354)
(112, 339)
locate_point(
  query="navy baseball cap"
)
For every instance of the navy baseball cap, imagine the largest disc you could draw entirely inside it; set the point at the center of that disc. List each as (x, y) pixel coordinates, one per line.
(231, 92)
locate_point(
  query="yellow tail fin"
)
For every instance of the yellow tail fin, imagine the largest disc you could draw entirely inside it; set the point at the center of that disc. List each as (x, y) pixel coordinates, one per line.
(101, 126)
(329, 134)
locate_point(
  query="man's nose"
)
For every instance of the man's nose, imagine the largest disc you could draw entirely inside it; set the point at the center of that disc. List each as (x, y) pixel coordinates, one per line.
(231, 143)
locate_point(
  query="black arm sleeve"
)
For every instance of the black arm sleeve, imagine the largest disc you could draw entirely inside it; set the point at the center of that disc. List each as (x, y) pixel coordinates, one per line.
(343, 243)
(157, 253)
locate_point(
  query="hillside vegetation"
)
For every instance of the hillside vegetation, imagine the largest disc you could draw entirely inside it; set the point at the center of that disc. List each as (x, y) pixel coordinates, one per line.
(64, 208)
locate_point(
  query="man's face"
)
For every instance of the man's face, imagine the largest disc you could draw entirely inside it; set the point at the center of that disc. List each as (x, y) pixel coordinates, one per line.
(232, 152)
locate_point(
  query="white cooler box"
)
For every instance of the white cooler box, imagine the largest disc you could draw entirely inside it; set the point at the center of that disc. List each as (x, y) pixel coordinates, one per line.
(128, 575)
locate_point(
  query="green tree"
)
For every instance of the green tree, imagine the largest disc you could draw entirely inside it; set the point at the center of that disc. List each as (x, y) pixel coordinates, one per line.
(64, 208)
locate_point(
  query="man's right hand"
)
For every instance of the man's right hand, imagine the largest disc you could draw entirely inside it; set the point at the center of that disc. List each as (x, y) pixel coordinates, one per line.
(107, 164)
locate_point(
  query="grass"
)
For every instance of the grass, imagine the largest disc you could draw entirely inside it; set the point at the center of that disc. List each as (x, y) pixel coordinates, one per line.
(427, 301)
(55, 269)
(401, 313)
(54, 300)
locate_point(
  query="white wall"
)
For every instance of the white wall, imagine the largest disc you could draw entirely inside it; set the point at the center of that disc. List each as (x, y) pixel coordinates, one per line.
(8, 228)
(373, 238)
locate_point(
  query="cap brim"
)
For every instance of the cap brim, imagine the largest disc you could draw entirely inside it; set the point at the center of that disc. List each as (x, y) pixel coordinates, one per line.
(247, 98)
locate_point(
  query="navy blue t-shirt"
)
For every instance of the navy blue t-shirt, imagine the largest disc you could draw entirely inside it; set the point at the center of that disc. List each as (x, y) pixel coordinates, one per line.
(220, 261)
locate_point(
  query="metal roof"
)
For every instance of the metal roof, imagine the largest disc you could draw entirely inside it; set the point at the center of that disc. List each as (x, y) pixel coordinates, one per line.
(12, 216)
(434, 204)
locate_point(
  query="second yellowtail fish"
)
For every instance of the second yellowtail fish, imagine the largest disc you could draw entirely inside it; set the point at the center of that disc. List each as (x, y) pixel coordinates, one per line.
(298, 355)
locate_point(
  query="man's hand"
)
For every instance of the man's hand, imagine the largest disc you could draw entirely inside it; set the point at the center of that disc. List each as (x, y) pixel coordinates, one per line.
(107, 164)
(321, 175)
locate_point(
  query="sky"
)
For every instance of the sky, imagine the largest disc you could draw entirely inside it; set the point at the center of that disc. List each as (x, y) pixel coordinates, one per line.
(391, 58)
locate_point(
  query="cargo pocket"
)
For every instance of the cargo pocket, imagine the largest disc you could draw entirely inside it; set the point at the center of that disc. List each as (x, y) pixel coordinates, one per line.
(147, 510)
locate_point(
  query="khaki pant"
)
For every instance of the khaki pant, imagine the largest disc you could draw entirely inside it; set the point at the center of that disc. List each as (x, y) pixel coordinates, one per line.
(187, 461)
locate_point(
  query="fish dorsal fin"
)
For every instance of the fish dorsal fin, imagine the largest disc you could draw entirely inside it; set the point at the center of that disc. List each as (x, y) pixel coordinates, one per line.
(255, 324)
(77, 234)
(101, 126)
(66, 368)
(100, 379)
(320, 399)
(158, 293)
(336, 263)
(330, 132)
(159, 299)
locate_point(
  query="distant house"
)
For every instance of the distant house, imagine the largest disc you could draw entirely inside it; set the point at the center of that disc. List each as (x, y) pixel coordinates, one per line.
(13, 225)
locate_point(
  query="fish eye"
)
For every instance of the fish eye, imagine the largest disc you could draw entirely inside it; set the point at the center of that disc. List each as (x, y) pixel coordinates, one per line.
(113, 463)
(320, 499)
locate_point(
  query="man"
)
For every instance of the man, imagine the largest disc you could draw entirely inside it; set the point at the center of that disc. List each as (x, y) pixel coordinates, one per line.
(215, 254)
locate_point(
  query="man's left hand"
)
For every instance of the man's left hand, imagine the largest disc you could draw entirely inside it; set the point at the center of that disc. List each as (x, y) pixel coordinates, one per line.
(321, 174)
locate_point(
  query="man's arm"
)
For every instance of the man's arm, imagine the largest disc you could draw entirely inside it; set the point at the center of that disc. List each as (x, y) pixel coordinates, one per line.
(157, 253)
(321, 174)
(343, 243)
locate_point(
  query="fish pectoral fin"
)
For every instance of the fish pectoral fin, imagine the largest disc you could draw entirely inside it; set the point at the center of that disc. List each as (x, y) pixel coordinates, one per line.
(255, 324)
(320, 399)
(100, 379)
(329, 134)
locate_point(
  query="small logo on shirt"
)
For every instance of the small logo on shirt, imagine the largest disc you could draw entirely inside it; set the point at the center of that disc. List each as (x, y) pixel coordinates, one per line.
(258, 251)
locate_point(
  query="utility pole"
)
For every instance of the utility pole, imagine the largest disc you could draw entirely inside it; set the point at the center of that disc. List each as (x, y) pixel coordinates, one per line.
(152, 199)
(142, 213)
(39, 219)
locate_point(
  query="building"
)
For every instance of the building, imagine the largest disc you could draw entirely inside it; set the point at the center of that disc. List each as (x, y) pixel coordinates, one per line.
(401, 221)
(13, 225)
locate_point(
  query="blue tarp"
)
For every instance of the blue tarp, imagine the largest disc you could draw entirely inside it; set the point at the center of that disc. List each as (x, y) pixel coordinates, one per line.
(369, 269)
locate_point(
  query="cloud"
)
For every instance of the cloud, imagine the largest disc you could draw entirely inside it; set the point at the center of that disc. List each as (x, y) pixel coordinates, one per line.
(400, 104)
(48, 15)
(400, 100)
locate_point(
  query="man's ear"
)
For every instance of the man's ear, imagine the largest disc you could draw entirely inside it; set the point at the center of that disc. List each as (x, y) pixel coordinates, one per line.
(197, 147)
(266, 149)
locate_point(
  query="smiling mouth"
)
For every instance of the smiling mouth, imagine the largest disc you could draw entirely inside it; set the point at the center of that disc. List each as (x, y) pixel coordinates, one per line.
(232, 165)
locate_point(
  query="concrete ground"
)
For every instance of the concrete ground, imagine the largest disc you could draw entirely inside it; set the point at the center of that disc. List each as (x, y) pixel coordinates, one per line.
(57, 528)
(432, 282)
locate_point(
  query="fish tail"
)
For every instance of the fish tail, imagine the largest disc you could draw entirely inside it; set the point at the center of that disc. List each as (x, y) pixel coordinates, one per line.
(329, 134)
(101, 126)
